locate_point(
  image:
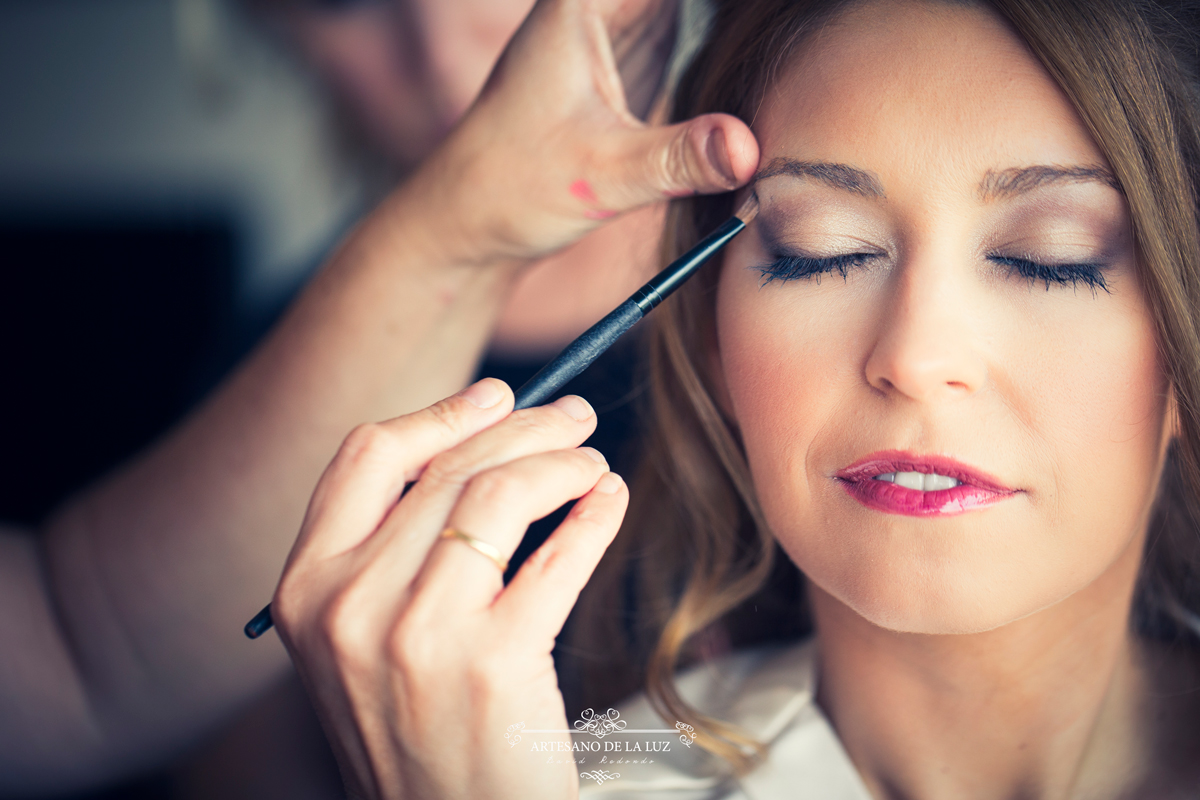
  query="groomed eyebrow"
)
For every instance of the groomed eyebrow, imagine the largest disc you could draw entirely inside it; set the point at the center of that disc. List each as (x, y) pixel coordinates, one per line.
(839, 176)
(1019, 180)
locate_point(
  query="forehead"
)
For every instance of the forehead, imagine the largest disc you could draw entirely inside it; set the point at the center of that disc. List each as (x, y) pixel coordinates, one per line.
(921, 91)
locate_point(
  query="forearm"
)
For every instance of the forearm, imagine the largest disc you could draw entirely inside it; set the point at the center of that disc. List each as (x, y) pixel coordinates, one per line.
(155, 570)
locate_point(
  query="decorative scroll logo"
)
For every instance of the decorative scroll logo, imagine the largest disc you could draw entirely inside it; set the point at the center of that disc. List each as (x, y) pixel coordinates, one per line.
(600, 775)
(687, 733)
(601, 746)
(599, 725)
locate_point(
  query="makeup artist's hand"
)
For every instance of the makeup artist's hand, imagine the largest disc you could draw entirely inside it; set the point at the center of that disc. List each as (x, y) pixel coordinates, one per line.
(417, 656)
(549, 149)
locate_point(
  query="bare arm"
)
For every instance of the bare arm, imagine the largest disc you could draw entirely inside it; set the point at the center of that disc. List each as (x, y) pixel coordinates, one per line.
(121, 630)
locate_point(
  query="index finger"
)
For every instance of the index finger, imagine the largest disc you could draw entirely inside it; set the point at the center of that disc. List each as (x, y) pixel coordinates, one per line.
(365, 479)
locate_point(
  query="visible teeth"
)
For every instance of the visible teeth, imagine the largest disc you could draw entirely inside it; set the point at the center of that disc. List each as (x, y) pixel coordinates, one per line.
(919, 481)
(934, 483)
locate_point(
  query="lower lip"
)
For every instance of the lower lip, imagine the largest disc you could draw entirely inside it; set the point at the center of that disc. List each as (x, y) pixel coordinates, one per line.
(893, 499)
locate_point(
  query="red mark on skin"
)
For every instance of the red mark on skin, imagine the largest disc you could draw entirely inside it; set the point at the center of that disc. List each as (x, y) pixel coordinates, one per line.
(583, 190)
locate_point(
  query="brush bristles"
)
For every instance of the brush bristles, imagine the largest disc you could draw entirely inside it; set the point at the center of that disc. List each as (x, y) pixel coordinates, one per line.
(749, 209)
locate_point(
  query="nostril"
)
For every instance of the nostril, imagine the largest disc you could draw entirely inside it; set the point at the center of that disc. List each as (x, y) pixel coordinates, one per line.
(883, 385)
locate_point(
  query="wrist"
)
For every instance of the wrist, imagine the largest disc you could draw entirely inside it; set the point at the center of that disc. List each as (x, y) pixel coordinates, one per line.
(450, 214)
(435, 233)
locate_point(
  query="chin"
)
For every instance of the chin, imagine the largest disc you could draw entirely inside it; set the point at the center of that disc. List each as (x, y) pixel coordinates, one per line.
(954, 616)
(945, 599)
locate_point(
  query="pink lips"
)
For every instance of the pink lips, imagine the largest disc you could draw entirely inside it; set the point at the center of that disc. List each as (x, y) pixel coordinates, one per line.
(975, 489)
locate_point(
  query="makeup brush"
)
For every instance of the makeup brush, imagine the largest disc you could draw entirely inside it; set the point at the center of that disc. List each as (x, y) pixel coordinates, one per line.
(579, 354)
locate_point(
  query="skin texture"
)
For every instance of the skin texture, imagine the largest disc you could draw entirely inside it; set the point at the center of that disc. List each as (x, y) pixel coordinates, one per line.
(121, 623)
(382, 615)
(969, 655)
(407, 70)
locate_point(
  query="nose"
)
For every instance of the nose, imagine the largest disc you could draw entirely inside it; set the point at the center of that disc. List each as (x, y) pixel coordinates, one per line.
(926, 346)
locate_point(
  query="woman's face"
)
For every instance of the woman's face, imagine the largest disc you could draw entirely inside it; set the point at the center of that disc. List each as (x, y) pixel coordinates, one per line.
(942, 282)
(407, 68)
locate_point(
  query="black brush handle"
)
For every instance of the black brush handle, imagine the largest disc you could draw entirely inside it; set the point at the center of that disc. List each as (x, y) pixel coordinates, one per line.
(578, 355)
(261, 623)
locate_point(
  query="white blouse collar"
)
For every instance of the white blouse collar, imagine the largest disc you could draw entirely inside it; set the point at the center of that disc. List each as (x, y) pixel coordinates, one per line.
(770, 693)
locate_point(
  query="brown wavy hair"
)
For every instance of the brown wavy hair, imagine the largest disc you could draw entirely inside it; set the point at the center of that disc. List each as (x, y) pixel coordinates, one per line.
(695, 570)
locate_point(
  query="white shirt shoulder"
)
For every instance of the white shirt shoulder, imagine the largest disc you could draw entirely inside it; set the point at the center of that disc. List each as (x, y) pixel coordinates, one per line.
(631, 753)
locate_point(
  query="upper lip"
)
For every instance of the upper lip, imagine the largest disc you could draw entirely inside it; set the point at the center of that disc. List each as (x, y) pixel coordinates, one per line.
(886, 461)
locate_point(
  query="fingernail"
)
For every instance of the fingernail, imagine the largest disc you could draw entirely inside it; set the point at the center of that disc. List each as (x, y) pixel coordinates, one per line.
(594, 455)
(718, 155)
(611, 483)
(576, 407)
(484, 394)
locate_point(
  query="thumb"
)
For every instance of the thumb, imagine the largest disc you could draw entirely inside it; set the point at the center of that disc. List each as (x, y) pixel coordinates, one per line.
(709, 154)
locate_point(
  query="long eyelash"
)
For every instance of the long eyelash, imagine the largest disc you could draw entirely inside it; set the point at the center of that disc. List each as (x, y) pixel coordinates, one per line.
(790, 268)
(1090, 275)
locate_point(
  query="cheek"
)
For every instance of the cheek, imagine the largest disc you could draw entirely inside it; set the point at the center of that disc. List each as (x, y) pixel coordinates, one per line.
(1090, 392)
(788, 358)
(792, 362)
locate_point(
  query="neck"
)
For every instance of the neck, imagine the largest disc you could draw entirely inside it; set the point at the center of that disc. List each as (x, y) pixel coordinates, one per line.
(1012, 712)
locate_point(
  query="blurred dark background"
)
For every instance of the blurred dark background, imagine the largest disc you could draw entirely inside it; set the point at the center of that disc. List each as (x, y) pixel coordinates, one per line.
(170, 175)
(112, 327)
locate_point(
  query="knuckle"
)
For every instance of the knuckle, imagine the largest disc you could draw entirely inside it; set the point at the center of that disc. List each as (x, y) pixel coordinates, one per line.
(546, 560)
(447, 414)
(449, 468)
(560, 567)
(486, 673)
(343, 625)
(369, 442)
(533, 419)
(548, 423)
(590, 518)
(670, 167)
(499, 487)
(287, 611)
(414, 649)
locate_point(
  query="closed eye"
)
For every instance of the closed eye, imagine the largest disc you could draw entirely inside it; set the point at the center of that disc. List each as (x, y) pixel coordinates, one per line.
(1089, 274)
(790, 268)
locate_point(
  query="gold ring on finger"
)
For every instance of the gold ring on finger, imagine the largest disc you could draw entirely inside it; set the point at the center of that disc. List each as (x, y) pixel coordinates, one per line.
(483, 547)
